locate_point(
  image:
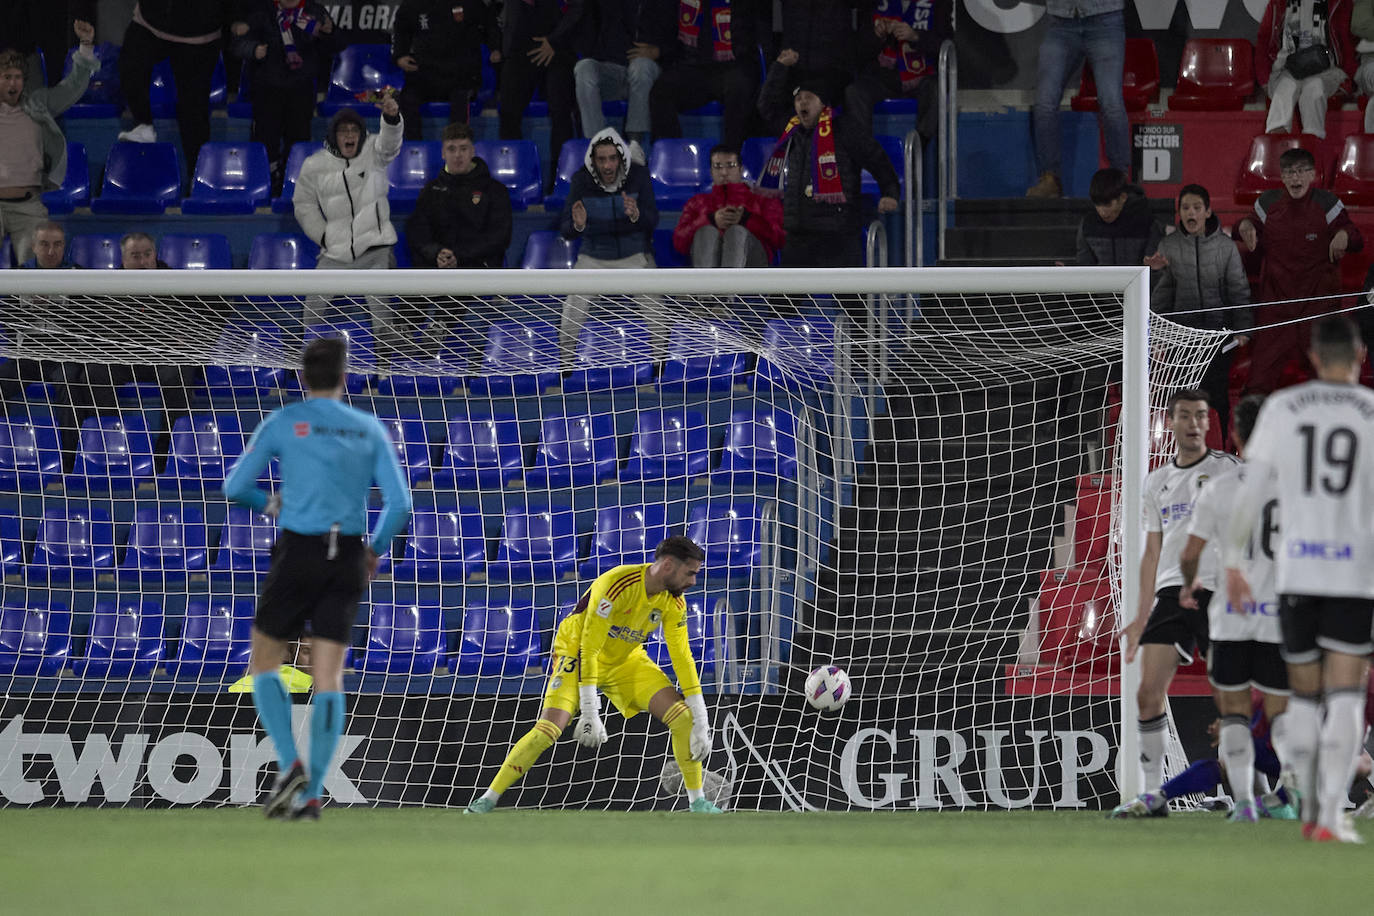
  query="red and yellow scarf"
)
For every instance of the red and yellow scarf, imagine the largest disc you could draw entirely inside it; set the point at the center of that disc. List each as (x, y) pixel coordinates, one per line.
(689, 13)
(824, 184)
(911, 62)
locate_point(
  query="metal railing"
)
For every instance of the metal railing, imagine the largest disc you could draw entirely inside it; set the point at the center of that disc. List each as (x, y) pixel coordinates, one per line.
(913, 162)
(947, 182)
(770, 575)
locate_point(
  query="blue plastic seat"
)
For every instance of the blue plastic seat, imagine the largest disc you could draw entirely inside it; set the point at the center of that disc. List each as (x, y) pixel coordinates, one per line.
(114, 454)
(241, 106)
(517, 360)
(574, 451)
(895, 153)
(282, 251)
(204, 448)
(728, 530)
(251, 343)
(536, 546)
(411, 440)
(625, 534)
(216, 636)
(501, 641)
(668, 444)
(571, 157)
(209, 251)
(443, 546)
(95, 251)
(362, 349)
(125, 639)
(545, 248)
(404, 638)
(611, 354)
(680, 168)
(30, 458)
(76, 184)
(162, 88)
(754, 156)
(360, 68)
(801, 353)
(515, 163)
(73, 543)
(411, 170)
(11, 546)
(102, 98)
(294, 159)
(702, 359)
(700, 638)
(140, 178)
(35, 639)
(229, 178)
(665, 255)
(761, 443)
(165, 542)
(482, 453)
(245, 542)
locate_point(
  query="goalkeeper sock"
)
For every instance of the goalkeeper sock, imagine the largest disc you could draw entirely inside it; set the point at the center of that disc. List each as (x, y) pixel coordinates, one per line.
(524, 754)
(1152, 735)
(1303, 725)
(1238, 750)
(1201, 776)
(326, 727)
(274, 711)
(678, 718)
(1341, 737)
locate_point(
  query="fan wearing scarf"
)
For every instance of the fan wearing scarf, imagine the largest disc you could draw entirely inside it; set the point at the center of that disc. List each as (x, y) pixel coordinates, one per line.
(901, 50)
(438, 43)
(815, 168)
(1308, 52)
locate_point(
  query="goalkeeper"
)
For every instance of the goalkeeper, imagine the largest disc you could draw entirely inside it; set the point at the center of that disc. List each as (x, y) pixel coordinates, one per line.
(599, 648)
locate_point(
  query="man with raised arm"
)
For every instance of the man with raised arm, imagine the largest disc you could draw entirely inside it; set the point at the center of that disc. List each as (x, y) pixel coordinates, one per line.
(599, 648)
(1164, 632)
(330, 455)
(1311, 444)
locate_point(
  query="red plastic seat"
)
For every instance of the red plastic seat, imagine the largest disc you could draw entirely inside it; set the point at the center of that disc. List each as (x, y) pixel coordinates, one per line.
(1077, 619)
(1139, 79)
(1214, 74)
(1354, 178)
(1092, 523)
(1260, 170)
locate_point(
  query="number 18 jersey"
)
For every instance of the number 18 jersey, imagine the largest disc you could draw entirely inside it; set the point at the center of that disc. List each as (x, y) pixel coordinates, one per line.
(1211, 518)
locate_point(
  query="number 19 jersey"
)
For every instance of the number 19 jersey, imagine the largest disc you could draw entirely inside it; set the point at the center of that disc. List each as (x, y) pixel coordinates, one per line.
(1318, 438)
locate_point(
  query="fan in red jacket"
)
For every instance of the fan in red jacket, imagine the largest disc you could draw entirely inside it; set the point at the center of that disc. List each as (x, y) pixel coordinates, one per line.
(731, 225)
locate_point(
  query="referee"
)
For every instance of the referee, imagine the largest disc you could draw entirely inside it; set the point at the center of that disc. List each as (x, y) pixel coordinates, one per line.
(321, 563)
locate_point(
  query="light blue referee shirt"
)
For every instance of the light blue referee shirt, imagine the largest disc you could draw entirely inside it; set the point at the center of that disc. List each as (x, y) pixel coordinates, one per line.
(330, 455)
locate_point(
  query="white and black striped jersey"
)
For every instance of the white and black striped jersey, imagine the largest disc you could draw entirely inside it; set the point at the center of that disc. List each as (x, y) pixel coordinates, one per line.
(1211, 520)
(1167, 507)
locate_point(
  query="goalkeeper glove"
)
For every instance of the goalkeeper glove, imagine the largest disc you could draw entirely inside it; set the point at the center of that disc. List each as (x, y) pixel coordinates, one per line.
(590, 732)
(273, 507)
(699, 742)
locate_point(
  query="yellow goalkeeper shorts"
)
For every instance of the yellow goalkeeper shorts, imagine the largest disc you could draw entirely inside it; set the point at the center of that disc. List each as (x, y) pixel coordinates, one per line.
(629, 685)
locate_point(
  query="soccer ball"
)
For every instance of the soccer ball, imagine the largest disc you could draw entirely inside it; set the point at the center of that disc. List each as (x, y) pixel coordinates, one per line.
(827, 688)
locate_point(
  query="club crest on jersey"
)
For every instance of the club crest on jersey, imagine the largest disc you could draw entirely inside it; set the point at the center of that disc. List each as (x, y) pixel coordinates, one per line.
(302, 430)
(655, 617)
(1201, 479)
(603, 608)
(556, 683)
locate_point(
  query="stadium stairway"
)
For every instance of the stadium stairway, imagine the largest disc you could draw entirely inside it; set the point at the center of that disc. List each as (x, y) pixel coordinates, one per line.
(1023, 232)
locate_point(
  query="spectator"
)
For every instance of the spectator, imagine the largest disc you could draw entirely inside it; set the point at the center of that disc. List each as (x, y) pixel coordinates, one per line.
(822, 34)
(1203, 285)
(284, 42)
(138, 251)
(1299, 233)
(611, 208)
(33, 156)
(815, 168)
(1362, 32)
(1121, 231)
(625, 39)
(49, 248)
(713, 59)
(1079, 29)
(188, 36)
(537, 39)
(731, 225)
(900, 56)
(438, 43)
(1308, 53)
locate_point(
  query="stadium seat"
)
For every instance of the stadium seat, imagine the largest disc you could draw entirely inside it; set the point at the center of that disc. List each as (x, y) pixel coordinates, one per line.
(361, 348)
(229, 178)
(668, 444)
(411, 170)
(535, 546)
(241, 106)
(574, 451)
(140, 179)
(754, 156)
(1354, 179)
(497, 642)
(204, 447)
(409, 436)
(294, 159)
(1260, 172)
(611, 354)
(244, 346)
(245, 542)
(701, 638)
(1139, 81)
(125, 639)
(761, 443)
(1214, 74)
(102, 98)
(360, 68)
(216, 635)
(545, 248)
(282, 251)
(11, 546)
(517, 360)
(800, 353)
(1092, 519)
(162, 89)
(404, 638)
(515, 163)
(95, 252)
(195, 252)
(167, 541)
(665, 255)
(571, 157)
(680, 168)
(728, 530)
(76, 184)
(700, 362)
(896, 154)
(35, 639)
(73, 543)
(443, 546)
(625, 534)
(1077, 623)
(482, 453)
(30, 458)
(114, 454)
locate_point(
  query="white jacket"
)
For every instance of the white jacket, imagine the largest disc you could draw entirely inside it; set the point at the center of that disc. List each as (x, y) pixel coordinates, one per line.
(341, 203)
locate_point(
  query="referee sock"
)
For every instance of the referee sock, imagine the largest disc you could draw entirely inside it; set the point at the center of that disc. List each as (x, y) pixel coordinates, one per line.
(678, 718)
(524, 754)
(1341, 736)
(1238, 750)
(1303, 725)
(274, 712)
(326, 727)
(1152, 734)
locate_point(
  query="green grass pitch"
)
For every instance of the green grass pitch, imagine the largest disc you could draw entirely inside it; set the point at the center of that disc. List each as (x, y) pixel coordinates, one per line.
(428, 861)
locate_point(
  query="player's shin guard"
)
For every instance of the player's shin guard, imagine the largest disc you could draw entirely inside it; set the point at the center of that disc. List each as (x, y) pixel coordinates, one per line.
(326, 727)
(1152, 735)
(1238, 750)
(678, 718)
(274, 711)
(1278, 737)
(1341, 734)
(524, 754)
(1303, 725)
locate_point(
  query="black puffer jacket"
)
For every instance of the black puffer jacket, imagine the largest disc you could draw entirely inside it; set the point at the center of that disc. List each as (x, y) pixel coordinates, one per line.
(610, 28)
(467, 214)
(521, 21)
(427, 30)
(314, 47)
(822, 32)
(1124, 242)
(1204, 285)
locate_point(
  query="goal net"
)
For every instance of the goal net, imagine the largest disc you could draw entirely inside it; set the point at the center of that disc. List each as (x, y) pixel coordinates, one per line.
(921, 477)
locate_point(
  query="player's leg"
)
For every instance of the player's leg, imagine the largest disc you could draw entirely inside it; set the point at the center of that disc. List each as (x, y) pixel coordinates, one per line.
(1344, 635)
(667, 705)
(1158, 662)
(1270, 675)
(1229, 669)
(273, 703)
(1298, 618)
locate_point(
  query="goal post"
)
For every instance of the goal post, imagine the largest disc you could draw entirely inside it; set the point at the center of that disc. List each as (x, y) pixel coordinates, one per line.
(882, 479)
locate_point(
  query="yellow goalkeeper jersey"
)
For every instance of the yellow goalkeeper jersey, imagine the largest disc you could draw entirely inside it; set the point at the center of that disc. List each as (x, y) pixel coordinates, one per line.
(617, 617)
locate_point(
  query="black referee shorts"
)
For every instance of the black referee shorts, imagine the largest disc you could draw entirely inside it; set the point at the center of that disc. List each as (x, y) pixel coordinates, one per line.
(306, 583)
(1172, 624)
(1311, 623)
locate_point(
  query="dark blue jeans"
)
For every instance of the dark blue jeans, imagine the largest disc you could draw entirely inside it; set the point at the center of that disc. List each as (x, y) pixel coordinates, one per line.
(1102, 41)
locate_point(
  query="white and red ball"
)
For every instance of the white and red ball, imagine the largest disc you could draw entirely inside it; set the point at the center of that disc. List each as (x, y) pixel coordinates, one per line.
(827, 688)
